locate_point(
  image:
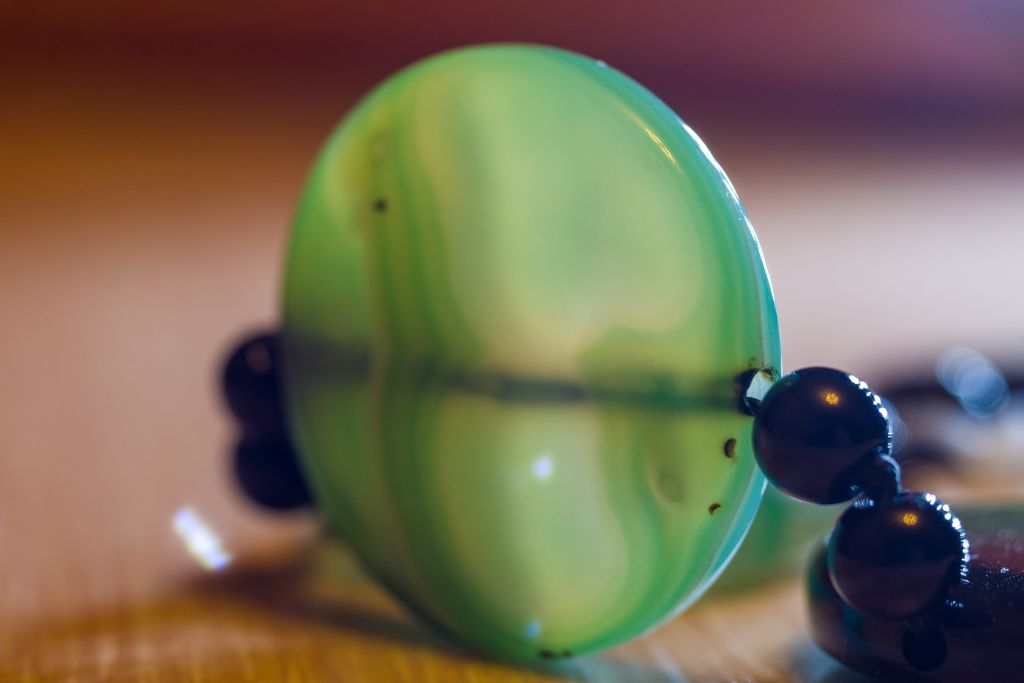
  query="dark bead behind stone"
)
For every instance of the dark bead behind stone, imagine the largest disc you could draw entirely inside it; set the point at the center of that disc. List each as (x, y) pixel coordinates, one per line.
(252, 385)
(894, 559)
(815, 429)
(268, 471)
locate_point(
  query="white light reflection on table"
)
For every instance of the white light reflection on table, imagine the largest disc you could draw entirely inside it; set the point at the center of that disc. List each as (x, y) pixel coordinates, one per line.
(200, 540)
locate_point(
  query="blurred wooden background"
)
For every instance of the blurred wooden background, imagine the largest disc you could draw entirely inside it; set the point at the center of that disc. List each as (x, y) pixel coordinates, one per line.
(150, 157)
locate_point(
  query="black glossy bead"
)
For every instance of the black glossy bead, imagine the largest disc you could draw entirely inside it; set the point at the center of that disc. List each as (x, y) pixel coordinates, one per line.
(894, 559)
(252, 384)
(813, 431)
(268, 471)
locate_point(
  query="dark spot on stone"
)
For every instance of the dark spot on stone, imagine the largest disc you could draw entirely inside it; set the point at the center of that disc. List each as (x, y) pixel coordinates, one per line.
(713, 507)
(380, 206)
(548, 654)
(729, 448)
(566, 654)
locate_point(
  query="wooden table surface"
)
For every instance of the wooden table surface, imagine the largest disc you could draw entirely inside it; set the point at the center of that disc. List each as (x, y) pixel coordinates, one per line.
(141, 226)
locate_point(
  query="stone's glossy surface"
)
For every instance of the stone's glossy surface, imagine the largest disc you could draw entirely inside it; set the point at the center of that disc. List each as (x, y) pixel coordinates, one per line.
(251, 382)
(518, 293)
(894, 559)
(268, 472)
(974, 636)
(815, 429)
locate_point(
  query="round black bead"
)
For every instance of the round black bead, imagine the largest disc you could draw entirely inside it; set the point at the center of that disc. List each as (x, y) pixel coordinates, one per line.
(815, 429)
(894, 559)
(268, 472)
(252, 384)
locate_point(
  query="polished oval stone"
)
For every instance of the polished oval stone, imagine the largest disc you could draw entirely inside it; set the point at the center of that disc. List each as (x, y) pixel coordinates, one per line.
(518, 297)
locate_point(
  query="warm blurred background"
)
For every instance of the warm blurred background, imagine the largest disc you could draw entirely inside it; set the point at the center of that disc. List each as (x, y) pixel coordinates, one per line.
(151, 155)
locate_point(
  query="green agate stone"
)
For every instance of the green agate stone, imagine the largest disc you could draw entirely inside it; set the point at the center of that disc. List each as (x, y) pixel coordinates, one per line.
(518, 297)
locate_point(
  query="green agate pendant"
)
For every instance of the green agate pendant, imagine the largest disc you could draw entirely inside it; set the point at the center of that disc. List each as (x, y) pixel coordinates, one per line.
(521, 300)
